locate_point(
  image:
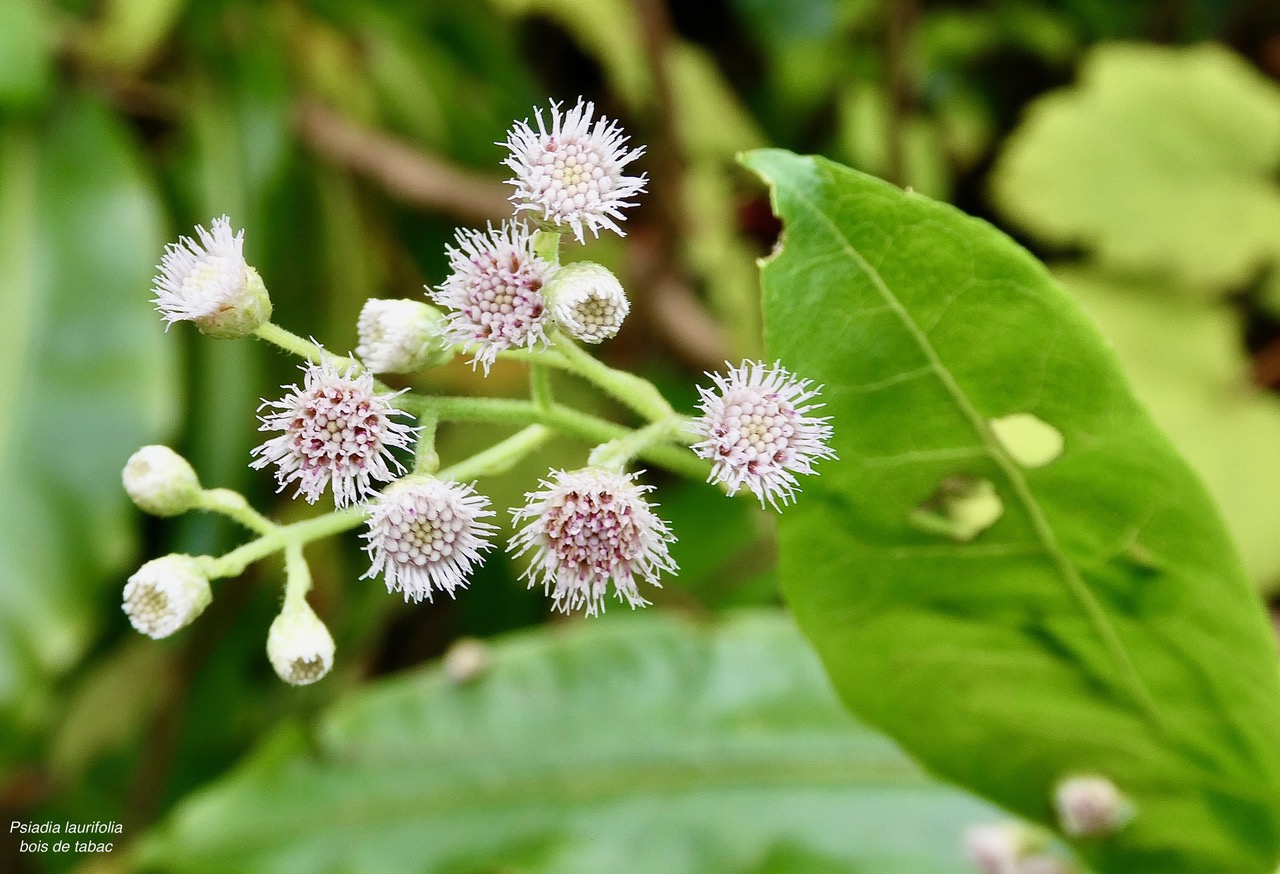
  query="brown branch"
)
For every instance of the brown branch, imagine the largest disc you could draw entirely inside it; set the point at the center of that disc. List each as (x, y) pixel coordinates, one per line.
(406, 172)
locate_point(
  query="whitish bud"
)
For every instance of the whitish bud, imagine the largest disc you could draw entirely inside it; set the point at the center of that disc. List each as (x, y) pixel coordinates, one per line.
(1090, 806)
(166, 594)
(587, 301)
(466, 660)
(401, 336)
(160, 481)
(207, 281)
(998, 848)
(299, 646)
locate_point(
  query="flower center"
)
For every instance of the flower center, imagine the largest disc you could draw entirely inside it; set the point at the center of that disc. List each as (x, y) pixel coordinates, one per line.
(757, 428)
(336, 427)
(592, 534)
(572, 175)
(505, 299)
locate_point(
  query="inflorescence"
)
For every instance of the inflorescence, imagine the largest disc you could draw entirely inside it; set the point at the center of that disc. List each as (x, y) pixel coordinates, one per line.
(586, 534)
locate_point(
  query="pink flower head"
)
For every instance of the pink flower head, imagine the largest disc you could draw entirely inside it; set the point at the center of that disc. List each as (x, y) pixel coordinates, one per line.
(427, 535)
(587, 528)
(757, 430)
(571, 174)
(335, 428)
(494, 292)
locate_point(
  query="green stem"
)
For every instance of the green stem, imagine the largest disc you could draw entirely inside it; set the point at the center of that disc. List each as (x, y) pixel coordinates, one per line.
(425, 459)
(546, 245)
(297, 577)
(616, 453)
(233, 563)
(566, 420)
(500, 457)
(302, 347)
(638, 394)
(234, 506)
(540, 385)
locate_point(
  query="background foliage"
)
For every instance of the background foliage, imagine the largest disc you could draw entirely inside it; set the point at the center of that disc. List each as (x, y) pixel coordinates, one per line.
(350, 138)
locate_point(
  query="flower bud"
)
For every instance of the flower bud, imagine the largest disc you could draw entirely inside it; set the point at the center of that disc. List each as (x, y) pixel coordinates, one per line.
(587, 301)
(1090, 806)
(166, 594)
(209, 282)
(401, 336)
(160, 481)
(299, 646)
(999, 848)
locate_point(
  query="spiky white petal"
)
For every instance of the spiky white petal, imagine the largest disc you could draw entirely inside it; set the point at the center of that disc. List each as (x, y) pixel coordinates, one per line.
(427, 535)
(335, 430)
(570, 174)
(299, 646)
(166, 594)
(587, 301)
(494, 292)
(758, 433)
(401, 336)
(209, 282)
(588, 528)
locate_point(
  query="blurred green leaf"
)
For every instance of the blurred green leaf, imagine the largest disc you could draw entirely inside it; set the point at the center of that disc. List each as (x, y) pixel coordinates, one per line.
(641, 744)
(1159, 159)
(608, 30)
(1189, 368)
(26, 55)
(1102, 624)
(127, 33)
(84, 361)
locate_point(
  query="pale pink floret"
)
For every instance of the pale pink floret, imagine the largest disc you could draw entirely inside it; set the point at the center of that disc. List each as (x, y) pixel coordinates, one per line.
(758, 433)
(571, 173)
(197, 279)
(494, 292)
(587, 528)
(335, 429)
(427, 535)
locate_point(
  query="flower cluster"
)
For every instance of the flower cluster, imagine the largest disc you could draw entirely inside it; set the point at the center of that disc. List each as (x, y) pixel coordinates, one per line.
(585, 534)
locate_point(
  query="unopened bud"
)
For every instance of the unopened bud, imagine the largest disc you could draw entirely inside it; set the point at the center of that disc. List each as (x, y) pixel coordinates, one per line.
(401, 336)
(587, 301)
(998, 848)
(299, 646)
(1090, 806)
(160, 481)
(466, 660)
(166, 594)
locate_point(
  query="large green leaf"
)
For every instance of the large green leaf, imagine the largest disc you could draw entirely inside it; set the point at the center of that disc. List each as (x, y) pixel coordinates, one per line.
(84, 379)
(1103, 623)
(634, 745)
(1188, 366)
(1160, 159)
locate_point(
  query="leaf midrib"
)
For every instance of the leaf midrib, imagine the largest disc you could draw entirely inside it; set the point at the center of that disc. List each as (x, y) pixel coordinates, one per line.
(1063, 564)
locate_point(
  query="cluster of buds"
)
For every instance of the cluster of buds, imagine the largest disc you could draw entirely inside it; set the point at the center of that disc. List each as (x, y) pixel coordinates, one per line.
(587, 534)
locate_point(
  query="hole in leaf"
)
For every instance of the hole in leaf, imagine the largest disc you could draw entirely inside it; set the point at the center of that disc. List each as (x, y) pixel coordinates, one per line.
(962, 508)
(1031, 441)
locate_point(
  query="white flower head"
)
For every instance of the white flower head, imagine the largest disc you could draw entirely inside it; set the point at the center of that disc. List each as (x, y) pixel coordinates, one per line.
(299, 646)
(587, 301)
(1090, 806)
(401, 336)
(757, 430)
(570, 175)
(427, 535)
(335, 429)
(160, 481)
(166, 594)
(208, 282)
(494, 292)
(587, 528)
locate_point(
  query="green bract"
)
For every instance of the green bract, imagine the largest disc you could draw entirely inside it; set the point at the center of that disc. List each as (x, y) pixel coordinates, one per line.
(1102, 624)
